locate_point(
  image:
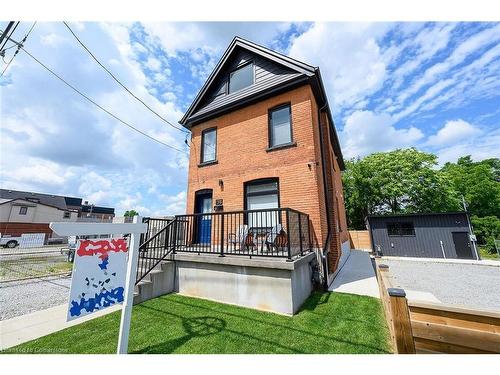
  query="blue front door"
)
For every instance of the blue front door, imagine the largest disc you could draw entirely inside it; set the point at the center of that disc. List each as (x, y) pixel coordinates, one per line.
(204, 222)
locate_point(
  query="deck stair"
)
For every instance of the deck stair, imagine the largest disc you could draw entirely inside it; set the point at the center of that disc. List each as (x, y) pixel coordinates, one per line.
(155, 270)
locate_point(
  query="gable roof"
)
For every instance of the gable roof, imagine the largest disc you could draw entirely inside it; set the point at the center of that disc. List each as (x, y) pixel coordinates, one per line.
(292, 73)
(57, 201)
(34, 204)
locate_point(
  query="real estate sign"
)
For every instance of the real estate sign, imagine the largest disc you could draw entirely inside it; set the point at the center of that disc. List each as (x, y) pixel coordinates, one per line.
(99, 274)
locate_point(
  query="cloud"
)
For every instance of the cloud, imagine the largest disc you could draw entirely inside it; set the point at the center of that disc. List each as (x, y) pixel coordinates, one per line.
(366, 132)
(427, 42)
(458, 56)
(53, 141)
(382, 79)
(352, 62)
(175, 204)
(153, 64)
(452, 132)
(480, 147)
(210, 37)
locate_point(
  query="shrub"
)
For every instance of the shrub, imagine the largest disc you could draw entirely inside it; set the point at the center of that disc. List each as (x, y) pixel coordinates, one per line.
(487, 230)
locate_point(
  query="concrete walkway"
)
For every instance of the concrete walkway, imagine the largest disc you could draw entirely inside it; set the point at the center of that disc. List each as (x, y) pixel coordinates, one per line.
(31, 326)
(357, 276)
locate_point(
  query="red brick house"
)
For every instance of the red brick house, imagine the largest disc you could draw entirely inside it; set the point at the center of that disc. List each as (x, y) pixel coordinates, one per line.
(263, 139)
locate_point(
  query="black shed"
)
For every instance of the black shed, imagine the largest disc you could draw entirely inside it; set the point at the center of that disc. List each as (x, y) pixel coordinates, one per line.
(427, 235)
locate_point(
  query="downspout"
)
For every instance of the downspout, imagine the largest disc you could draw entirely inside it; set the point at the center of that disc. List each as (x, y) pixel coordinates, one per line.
(327, 201)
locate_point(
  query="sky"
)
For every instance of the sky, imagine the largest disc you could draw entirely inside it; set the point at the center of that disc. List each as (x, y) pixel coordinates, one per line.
(433, 86)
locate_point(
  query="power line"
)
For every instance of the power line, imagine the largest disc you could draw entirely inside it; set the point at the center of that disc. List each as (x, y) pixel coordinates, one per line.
(94, 102)
(121, 84)
(19, 46)
(5, 35)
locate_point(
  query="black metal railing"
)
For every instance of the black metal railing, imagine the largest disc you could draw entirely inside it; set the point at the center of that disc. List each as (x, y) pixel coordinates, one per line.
(280, 232)
(155, 245)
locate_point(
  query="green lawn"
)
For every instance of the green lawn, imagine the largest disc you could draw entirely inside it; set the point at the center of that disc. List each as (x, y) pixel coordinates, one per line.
(327, 323)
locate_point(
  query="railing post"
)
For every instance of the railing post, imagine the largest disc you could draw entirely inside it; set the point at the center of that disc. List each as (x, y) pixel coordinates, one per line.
(221, 240)
(300, 235)
(288, 233)
(174, 237)
(403, 335)
(309, 243)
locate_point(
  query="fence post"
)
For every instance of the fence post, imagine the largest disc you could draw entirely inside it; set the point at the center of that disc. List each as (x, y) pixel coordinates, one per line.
(221, 235)
(403, 335)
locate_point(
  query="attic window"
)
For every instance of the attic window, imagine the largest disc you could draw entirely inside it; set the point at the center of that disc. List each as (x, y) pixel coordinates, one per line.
(241, 78)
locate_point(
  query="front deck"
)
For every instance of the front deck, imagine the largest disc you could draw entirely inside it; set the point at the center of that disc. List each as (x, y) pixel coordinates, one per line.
(257, 258)
(276, 233)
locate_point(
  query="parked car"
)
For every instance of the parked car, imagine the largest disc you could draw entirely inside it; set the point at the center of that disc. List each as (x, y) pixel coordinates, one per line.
(69, 251)
(9, 241)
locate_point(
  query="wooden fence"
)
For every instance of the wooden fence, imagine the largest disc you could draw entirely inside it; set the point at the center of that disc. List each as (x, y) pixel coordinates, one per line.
(418, 327)
(360, 239)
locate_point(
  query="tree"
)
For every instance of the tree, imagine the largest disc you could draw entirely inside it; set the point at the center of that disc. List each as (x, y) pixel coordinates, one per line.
(400, 181)
(487, 230)
(131, 213)
(477, 182)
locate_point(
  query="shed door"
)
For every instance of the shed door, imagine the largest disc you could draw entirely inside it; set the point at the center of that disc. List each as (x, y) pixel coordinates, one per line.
(462, 245)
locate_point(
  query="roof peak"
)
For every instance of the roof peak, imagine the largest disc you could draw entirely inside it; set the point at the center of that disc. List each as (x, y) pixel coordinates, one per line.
(287, 62)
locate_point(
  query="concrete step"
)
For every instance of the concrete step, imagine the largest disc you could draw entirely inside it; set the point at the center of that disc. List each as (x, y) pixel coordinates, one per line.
(157, 282)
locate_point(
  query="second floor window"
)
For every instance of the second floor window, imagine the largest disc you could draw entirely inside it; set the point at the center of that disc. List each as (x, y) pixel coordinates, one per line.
(23, 210)
(280, 126)
(208, 145)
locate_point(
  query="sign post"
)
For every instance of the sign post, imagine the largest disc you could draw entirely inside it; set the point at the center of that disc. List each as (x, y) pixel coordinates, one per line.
(129, 291)
(84, 229)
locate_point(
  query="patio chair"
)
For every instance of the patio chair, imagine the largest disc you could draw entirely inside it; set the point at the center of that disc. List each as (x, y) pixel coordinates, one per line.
(237, 240)
(271, 237)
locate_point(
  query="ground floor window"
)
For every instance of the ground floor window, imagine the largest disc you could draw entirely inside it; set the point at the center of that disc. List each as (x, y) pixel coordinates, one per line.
(262, 195)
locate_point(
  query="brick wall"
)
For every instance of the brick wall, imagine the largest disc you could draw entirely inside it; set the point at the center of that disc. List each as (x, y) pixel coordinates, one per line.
(242, 142)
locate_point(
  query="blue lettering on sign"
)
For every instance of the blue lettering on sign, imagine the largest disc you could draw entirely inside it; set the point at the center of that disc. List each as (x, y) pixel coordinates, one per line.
(104, 264)
(103, 299)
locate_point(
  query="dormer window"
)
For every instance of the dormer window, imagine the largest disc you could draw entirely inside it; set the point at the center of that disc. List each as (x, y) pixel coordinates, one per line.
(241, 78)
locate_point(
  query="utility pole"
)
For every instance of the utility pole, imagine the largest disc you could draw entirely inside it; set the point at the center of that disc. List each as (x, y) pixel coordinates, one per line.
(6, 32)
(472, 237)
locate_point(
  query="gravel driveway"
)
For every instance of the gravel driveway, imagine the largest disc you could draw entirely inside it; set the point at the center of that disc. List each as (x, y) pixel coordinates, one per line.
(470, 285)
(22, 297)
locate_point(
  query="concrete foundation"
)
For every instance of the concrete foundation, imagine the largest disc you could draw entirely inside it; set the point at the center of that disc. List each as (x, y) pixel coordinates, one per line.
(268, 284)
(273, 285)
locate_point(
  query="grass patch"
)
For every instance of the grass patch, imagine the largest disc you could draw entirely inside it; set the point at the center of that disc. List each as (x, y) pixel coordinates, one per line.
(33, 267)
(327, 323)
(485, 254)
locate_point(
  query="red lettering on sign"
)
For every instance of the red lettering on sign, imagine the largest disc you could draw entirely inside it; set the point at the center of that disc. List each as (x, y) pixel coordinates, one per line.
(102, 247)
